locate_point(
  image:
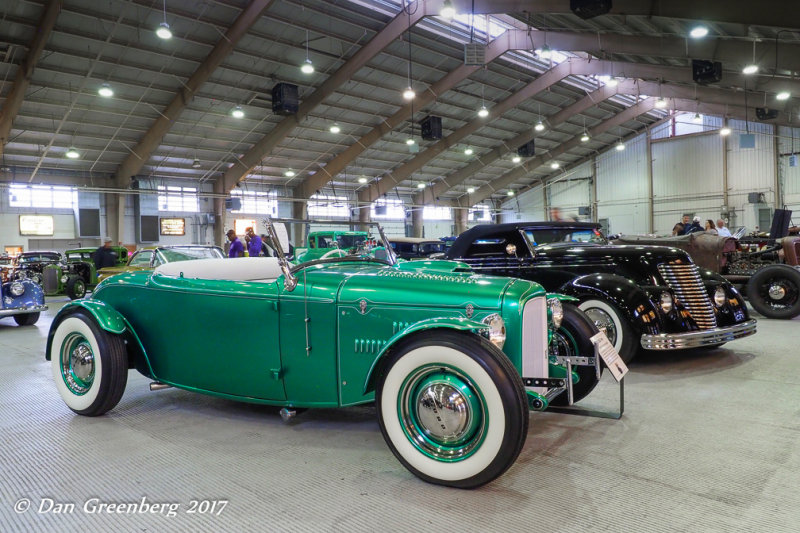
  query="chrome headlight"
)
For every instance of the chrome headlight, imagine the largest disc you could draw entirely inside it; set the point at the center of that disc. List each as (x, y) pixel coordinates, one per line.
(720, 297)
(666, 302)
(556, 311)
(64, 278)
(17, 288)
(497, 329)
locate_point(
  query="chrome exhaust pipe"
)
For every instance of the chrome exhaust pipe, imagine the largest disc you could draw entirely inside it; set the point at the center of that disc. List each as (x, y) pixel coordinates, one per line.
(157, 385)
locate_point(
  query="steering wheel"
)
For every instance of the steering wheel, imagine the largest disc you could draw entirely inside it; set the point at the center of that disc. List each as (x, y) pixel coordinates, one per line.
(336, 252)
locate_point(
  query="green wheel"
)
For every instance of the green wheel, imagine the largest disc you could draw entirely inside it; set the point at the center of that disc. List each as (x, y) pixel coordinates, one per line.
(452, 408)
(90, 366)
(573, 339)
(76, 288)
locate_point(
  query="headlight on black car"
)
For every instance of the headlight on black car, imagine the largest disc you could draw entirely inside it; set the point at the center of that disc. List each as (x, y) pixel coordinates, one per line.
(720, 297)
(64, 278)
(497, 329)
(17, 288)
(666, 302)
(556, 311)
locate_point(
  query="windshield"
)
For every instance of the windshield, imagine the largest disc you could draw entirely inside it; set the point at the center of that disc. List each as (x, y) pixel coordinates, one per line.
(35, 258)
(559, 235)
(171, 255)
(77, 256)
(351, 241)
(432, 247)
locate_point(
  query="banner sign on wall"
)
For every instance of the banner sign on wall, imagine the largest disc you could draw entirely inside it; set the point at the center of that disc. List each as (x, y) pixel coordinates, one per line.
(173, 226)
(36, 225)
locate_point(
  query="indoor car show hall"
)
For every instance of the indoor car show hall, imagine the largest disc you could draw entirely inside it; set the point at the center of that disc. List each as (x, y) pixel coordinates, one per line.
(399, 265)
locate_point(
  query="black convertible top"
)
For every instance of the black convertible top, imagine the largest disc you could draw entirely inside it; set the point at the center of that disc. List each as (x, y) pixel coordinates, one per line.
(484, 231)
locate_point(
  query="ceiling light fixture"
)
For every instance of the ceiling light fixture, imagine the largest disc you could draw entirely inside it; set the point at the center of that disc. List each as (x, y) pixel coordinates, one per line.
(612, 82)
(72, 153)
(783, 95)
(750, 69)
(620, 146)
(697, 118)
(516, 159)
(585, 137)
(510, 193)
(725, 130)
(409, 93)
(545, 52)
(410, 141)
(698, 32)
(362, 179)
(105, 91)
(289, 173)
(447, 11)
(468, 150)
(554, 165)
(539, 126)
(470, 190)
(335, 128)
(196, 163)
(661, 103)
(307, 67)
(237, 112)
(163, 31)
(420, 185)
(483, 112)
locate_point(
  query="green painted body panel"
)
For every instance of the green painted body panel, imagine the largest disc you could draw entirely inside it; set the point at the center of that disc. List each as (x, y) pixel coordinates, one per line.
(248, 340)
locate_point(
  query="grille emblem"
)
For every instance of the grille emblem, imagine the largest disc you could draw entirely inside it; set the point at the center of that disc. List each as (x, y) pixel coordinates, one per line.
(362, 306)
(470, 310)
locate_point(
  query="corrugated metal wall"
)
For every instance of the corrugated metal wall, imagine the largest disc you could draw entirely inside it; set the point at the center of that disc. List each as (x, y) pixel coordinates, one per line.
(751, 170)
(788, 145)
(526, 206)
(622, 188)
(572, 191)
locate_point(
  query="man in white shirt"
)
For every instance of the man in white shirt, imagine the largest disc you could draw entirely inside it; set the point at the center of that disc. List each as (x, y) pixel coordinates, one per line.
(722, 231)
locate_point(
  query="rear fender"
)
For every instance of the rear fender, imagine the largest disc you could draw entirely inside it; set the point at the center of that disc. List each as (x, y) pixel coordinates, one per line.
(460, 324)
(628, 297)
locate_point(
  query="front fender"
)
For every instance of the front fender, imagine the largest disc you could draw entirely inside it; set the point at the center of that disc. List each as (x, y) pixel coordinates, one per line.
(461, 324)
(628, 297)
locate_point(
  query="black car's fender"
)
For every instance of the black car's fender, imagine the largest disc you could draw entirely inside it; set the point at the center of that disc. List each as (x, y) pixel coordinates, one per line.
(631, 300)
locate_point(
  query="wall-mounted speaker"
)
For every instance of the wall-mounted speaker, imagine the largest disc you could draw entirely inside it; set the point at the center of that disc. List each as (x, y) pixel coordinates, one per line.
(705, 72)
(285, 100)
(587, 9)
(233, 204)
(755, 197)
(526, 150)
(765, 113)
(431, 128)
(380, 210)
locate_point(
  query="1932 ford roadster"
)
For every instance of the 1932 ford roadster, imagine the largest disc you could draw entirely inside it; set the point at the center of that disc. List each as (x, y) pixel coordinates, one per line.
(454, 361)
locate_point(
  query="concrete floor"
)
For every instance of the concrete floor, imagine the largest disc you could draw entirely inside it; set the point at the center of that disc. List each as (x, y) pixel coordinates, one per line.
(710, 441)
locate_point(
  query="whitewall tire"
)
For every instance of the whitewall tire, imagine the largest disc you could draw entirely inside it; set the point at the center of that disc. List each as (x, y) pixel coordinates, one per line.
(619, 332)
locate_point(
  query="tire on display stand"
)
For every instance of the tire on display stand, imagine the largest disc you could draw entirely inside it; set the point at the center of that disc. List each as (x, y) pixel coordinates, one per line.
(619, 332)
(76, 288)
(452, 408)
(573, 338)
(774, 291)
(90, 365)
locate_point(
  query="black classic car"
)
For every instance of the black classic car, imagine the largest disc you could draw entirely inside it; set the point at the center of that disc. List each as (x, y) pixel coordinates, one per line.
(655, 297)
(31, 265)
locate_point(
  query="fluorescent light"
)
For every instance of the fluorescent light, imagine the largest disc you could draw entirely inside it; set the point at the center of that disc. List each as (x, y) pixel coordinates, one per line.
(725, 130)
(420, 185)
(539, 125)
(483, 112)
(510, 193)
(362, 179)
(307, 67)
(783, 95)
(410, 141)
(516, 159)
(105, 91)
(163, 31)
(468, 150)
(470, 190)
(585, 137)
(697, 118)
(237, 112)
(554, 165)
(409, 93)
(72, 153)
(196, 163)
(698, 32)
(289, 173)
(750, 69)
(335, 128)
(661, 103)
(620, 146)
(447, 11)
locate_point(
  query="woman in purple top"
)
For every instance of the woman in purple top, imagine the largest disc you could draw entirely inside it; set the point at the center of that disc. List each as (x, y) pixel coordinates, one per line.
(237, 248)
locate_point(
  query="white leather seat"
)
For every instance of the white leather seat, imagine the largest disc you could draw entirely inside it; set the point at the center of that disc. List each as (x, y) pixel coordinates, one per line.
(259, 269)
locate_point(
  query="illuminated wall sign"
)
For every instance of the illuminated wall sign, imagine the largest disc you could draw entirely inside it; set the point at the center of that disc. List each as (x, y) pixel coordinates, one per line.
(173, 226)
(36, 225)
(240, 224)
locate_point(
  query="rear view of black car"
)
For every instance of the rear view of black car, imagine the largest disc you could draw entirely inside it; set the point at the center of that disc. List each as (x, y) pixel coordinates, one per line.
(652, 297)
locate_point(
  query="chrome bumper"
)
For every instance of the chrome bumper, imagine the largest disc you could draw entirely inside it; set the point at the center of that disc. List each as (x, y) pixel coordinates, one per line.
(22, 310)
(696, 339)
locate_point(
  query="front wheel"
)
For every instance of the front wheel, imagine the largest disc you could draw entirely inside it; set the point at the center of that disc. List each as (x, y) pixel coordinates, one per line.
(573, 339)
(90, 365)
(76, 288)
(28, 319)
(620, 334)
(452, 408)
(774, 291)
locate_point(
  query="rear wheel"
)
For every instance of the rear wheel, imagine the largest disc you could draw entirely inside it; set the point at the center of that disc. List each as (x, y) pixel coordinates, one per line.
(452, 408)
(90, 365)
(573, 339)
(774, 291)
(28, 319)
(76, 288)
(620, 334)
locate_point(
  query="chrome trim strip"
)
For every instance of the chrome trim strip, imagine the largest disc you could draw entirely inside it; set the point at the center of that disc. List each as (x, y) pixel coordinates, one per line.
(696, 339)
(23, 310)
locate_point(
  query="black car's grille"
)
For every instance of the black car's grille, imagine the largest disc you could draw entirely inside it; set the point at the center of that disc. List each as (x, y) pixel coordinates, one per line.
(684, 280)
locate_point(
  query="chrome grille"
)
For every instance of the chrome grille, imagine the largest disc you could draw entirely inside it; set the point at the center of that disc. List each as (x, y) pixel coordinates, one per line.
(534, 340)
(685, 282)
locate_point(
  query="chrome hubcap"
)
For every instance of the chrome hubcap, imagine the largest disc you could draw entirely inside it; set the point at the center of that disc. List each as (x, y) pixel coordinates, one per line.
(443, 412)
(777, 292)
(604, 322)
(77, 364)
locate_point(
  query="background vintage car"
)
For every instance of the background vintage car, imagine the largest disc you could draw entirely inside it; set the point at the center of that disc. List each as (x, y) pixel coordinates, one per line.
(416, 248)
(23, 299)
(30, 265)
(150, 258)
(76, 273)
(439, 349)
(643, 296)
(336, 243)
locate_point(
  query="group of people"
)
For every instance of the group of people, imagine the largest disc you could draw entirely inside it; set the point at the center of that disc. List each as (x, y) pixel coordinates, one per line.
(684, 227)
(254, 245)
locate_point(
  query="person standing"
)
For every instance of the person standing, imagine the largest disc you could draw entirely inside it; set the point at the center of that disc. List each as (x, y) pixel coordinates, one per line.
(694, 226)
(685, 224)
(722, 231)
(253, 242)
(710, 226)
(105, 256)
(237, 248)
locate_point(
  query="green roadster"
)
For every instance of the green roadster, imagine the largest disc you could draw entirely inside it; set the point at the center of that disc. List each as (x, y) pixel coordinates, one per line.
(454, 361)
